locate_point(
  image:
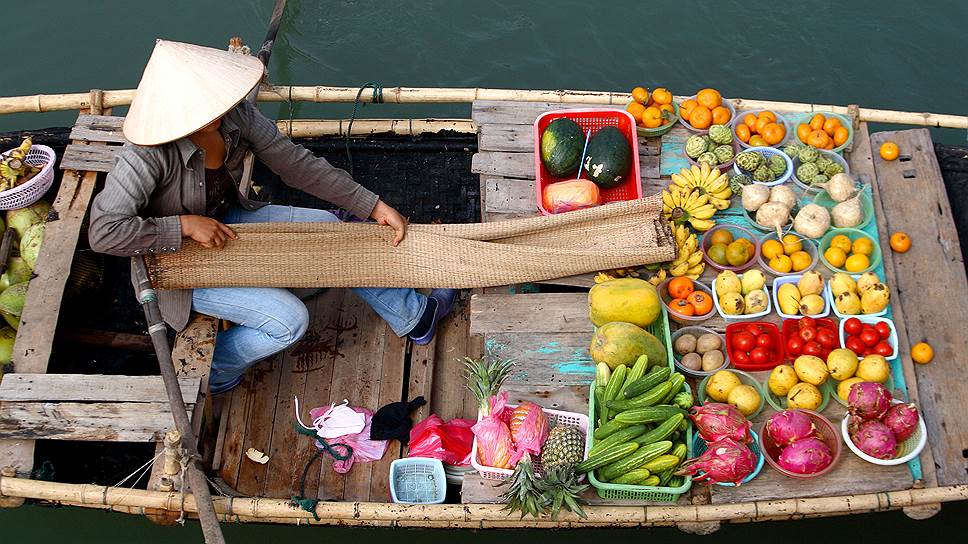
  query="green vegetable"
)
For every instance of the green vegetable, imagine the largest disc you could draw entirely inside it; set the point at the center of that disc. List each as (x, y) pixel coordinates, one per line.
(638, 369)
(661, 432)
(561, 146)
(600, 403)
(609, 158)
(683, 400)
(637, 459)
(650, 414)
(662, 462)
(625, 435)
(606, 457)
(602, 373)
(650, 397)
(655, 376)
(632, 477)
(676, 481)
(677, 380)
(609, 428)
(614, 386)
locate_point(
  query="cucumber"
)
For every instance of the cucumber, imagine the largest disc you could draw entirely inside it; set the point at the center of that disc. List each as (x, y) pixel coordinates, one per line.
(683, 400)
(636, 459)
(624, 435)
(609, 428)
(602, 373)
(676, 380)
(664, 476)
(610, 455)
(632, 477)
(600, 403)
(650, 380)
(649, 414)
(614, 386)
(676, 481)
(650, 397)
(637, 371)
(684, 425)
(661, 432)
(679, 450)
(651, 481)
(662, 462)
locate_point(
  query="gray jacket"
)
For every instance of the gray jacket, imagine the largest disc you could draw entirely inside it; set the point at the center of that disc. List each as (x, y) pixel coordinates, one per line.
(150, 186)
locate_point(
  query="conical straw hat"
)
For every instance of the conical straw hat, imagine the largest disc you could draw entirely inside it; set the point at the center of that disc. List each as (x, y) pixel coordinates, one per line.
(185, 87)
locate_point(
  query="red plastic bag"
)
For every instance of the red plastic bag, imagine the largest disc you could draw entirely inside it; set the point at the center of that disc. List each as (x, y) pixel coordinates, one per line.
(529, 430)
(494, 446)
(450, 442)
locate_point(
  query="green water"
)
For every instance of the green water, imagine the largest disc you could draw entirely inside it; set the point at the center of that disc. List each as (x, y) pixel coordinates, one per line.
(876, 54)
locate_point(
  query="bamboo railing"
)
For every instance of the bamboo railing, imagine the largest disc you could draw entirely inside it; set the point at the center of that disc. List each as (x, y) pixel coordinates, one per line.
(428, 95)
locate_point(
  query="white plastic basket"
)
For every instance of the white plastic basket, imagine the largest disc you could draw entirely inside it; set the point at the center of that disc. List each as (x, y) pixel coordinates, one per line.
(418, 480)
(30, 192)
(555, 417)
(907, 450)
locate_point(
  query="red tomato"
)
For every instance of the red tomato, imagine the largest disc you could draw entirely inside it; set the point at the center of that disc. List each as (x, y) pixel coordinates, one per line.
(760, 356)
(855, 344)
(883, 329)
(808, 334)
(754, 329)
(827, 338)
(764, 341)
(870, 338)
(867, 351)
(883, 348)
(853, 326)
(794, 346)
(743, 341)
(741, 358)
(812, 348)
(825, 353)
(807, 323)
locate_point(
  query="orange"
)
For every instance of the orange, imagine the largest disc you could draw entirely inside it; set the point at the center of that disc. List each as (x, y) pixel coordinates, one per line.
(819, 139)
(792, 243)
(701, 117)
(862, 246)
(771, 248)
(636, 109)
(750, 120)
(830, 125)
(640, 95)
(662, 96)
(721, 115)
(760, 123)
(721, 236)
(743, 132)
(803, 132)
(840, 136)
(835, 256)
(768, 114)
(651, 117)
(781, 264)
(686, 108)
(758, 141)
(668, 113)
(841, 241)
(857, 262)
(773, 133)
(801, 260)
(900, 242)
(889, 151)
(922, 353)
(709, 98)
(817, 121)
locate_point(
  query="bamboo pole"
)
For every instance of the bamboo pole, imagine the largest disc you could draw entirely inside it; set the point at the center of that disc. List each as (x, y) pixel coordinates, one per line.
(309, 128)
(437, 95)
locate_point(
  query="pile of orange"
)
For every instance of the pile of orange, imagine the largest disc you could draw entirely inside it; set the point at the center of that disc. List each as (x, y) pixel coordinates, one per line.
(823, 132)
(651, 110)
(761, 129)
(705, 110)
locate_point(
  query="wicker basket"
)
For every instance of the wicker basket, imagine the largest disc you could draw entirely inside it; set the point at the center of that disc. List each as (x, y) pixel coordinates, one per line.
(30, 192)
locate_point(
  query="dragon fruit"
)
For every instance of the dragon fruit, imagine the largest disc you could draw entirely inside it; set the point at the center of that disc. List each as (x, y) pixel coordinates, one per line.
(902, 419)
(875, 439)
(868, 400)
(788, 426)
(716, 421)
(724, 460)
(806, 456)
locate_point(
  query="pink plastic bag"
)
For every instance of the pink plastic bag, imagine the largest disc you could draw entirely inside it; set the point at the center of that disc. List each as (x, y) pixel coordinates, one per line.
(364, 449)
(450, 442)
(530, 434)
(494, 446)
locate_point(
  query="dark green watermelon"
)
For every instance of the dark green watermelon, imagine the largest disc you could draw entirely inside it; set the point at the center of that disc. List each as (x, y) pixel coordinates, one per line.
(609, 158)
(561, 145)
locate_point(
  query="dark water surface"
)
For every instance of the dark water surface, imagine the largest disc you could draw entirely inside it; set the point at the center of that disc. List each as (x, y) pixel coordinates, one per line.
(887, 54)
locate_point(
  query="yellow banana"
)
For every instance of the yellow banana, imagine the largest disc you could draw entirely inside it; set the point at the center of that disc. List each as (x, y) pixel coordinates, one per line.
(694, 259)
(702, 225)
(682, 233)
(718, 203)
(680, 180)
(679, 269)
(696, 174)
(717, 184)
(704, 170)
(667, 199)
(703, 212)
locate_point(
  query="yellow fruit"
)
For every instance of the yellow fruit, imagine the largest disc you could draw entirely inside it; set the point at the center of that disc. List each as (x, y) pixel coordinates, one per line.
(866, 281)
(782, 378)
(842, 283)
(745, 398)
(788, 297)
(717, 252)
(848, 303)
(856, 262)
(781, 263)
(771, 248)
(812, 305)
(875, 299)
(801, 260)
(873, 368)
(804, 395)
(623, 343)
(810, 369)
(922, 353)
(841, 241)
(721, 236)
(842, 364)
(752, 279)
(792, 244)
(863, 246)
(630, 300)
(835, 256)
(737, 253)
(843, 389)
(811, 283)
(720, 384)
(732, 303)
(756, 301)
(727, 282)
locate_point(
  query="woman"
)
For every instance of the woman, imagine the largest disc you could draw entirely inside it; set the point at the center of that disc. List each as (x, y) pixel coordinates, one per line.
(188, 129)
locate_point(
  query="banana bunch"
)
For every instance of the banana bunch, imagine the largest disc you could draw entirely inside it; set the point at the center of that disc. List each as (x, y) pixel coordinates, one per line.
(608, 275)
(14, 169)
(688, 261)
(709, 181)
(681, 205)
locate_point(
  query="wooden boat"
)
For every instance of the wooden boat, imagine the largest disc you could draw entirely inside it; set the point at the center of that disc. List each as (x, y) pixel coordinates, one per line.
(349, 353)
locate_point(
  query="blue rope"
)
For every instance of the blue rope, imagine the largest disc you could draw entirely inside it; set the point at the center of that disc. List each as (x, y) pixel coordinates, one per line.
(376, 99)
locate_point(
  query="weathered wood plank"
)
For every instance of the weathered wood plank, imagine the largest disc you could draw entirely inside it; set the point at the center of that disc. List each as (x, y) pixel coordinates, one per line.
(92, 158)
(191, 354)
(422, 363)
(544, 359)
(929, 276)
(501, 112)
(234, 417)
(106, 123)
(450, 396)
(515, 196)
(96, 421)
(390, 390)
(532, 313)
(266, 376)
(91, 387)
(569, 398)
(521, 165)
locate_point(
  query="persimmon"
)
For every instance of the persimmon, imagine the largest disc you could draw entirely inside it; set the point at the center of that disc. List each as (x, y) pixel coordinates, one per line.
(681, 306)
(900, 242)
(817, 121)
(750, 120)
(757, 141)
(767, 114)
(840, 136)
(651, 117)
(686, 108)
(662, 96)
(709, 98)
(701, 117)
(819, 139)
(640, 95)
(773, 133)
(721, 115)
(803, 132)
(889, 151)
(680, 287)
(636, 109)
(761, 122)
(743, 132)
(701, 302)
(830, 125)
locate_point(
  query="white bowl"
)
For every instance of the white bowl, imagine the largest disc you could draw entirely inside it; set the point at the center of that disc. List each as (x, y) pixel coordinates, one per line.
(794, 279)
(907, 450)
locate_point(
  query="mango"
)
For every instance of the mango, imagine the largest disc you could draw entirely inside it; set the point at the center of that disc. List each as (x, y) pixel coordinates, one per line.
(630, 300)
(811, 305)
(788, 297)
(745, 398)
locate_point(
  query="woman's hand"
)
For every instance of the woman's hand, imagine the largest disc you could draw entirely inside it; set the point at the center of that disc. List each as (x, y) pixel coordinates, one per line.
(206, 231)
(386, 215)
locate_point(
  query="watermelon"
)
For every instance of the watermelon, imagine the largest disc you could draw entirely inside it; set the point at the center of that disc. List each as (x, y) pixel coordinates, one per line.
(561, 146)
(609, 158)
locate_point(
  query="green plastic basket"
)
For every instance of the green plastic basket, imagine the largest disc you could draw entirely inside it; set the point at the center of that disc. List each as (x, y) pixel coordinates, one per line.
(805, 118)
(866, 206)
(660, 130)
(780, 403)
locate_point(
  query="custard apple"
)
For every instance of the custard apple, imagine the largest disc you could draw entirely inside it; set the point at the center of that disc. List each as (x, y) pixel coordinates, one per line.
(834, 169)
(737, 182)
(749, 161)
(708, 157)
(822, 163)
(724, 153)
(806, 171)
(792, 150)
(808, 154)
(695, 146)
(721, 134)
(763, 174)
(776, 164)
(819, 179)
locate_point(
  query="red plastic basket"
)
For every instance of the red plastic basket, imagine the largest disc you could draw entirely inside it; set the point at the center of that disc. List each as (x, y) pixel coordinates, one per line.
(594, 119)
(772, 330)
(790, 328)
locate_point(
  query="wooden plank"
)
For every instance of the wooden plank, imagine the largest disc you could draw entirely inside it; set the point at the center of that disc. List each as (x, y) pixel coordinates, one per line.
(422, 363)
(521, 165)
(929, 276)
(515, 196)
(540, 312)
(501, 112)
(191, 354)
(96, 421)
(569, 398)
(391, 390)
(91, 387)
(545, 359)
(98, 128)
(92, 158)
(234, 416)
(450, 396)
(266, 376)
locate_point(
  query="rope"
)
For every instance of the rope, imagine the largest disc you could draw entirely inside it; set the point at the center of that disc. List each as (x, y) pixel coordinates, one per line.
(323, 447)
(377, 99)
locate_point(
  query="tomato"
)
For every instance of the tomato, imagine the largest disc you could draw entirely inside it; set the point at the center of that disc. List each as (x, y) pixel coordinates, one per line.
(741, 358)
(855, 344)
(853, 326)
(807, 323)
(870, 338)
(883, 348)
(883, 329)
(812, 348)
(867, 351)
(827, 338)
(794, 346)
(764, 341)
(743, 341)
(825, 353)
(760, 356)
(754, 329)
(808, 334)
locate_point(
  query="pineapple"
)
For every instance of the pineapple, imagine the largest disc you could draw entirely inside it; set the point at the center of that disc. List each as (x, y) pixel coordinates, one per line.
(559, 487)
(484, 379)
(565, 446)
(523, 494)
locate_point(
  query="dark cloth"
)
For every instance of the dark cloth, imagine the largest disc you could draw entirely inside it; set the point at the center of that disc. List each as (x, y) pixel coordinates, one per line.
(393, 421)
(220, 192)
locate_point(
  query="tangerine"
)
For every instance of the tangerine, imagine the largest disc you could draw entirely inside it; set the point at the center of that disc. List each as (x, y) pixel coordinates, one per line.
(801, 260)
(900, 242)
(768, 114)
(835, 256)
(889, 151)
(701, 117)
(662, 96)
(857, 262)
(819, 139)
(817, 121)
(771, 248)
(792, 243)
(862, 246)
(758, 141)
(636, 109)
(831, 125)
(761, 123)
(840, 136)
(803, 132)
(686, 108)
(743, 132)
(651, 117)
(709, 98)
(750, 120)
(922, 353)
(781, 263)
(773, 133)
(721, 236)
(721, 115)
(640, 95)
(841, 241)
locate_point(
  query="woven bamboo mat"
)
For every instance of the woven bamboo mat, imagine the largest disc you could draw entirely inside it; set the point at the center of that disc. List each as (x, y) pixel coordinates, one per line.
(457, 256)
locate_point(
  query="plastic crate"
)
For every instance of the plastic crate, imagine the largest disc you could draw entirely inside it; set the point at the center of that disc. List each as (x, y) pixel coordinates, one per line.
(771, 330)
(418, 480)
(594, 119)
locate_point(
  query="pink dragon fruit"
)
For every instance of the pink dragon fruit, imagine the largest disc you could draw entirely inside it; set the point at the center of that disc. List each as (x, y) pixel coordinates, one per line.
(725, 460)
(868, 400)
(902, 419)
(788, 426)
(716, 421)
(875, 439)
(806, 456)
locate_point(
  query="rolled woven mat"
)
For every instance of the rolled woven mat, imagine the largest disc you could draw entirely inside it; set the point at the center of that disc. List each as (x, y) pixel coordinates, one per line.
(458, 256)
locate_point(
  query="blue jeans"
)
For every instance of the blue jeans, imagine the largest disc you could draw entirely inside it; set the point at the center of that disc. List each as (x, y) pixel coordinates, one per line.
(271, 319)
